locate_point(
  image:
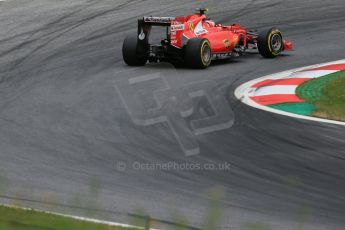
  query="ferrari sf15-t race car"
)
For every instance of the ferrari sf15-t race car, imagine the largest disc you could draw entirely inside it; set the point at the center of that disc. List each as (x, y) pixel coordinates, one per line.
(196, 40)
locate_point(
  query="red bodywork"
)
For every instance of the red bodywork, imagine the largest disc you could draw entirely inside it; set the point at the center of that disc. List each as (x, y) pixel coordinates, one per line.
(223, 39)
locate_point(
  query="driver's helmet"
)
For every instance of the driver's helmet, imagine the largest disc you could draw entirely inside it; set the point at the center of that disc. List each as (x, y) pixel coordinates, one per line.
(210, 23)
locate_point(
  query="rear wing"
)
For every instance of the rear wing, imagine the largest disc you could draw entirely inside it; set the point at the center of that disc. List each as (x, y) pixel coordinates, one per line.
(158, 21)
(145, 24)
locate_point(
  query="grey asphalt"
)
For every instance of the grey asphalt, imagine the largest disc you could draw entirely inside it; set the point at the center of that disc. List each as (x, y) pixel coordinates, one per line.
(72, 126)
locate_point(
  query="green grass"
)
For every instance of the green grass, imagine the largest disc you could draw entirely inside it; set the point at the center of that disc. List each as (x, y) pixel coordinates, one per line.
(19, 219)
(327, 94)
(332, 106)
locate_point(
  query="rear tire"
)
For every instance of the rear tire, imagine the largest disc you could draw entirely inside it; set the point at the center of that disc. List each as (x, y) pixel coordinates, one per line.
(134, 53)
(198, 53)
(270, 43)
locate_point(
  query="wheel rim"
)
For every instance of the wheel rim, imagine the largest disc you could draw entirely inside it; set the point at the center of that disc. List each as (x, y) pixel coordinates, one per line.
(276, 43)
(206, 54)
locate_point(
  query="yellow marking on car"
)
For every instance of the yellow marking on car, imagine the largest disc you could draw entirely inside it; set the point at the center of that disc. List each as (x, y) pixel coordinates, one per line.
(227, 43)
(191, 26)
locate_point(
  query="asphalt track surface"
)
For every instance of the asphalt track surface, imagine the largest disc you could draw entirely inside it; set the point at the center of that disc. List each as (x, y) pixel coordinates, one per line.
(64, 126)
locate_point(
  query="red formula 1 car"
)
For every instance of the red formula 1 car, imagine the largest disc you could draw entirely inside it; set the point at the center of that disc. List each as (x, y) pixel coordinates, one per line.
(196, 40)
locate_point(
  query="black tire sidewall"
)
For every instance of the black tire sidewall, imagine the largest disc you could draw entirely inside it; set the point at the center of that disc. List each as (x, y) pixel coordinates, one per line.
(194, 53)
(133, 52)
(264, 43)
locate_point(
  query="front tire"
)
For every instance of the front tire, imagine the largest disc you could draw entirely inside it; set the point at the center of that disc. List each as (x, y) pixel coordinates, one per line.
(270, 43)
(198, 53)
(133, 52)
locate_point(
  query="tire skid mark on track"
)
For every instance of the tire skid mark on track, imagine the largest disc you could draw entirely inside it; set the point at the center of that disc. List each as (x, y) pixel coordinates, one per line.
(89, 126)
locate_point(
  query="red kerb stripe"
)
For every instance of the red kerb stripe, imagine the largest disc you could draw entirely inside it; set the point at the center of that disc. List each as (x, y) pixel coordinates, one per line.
(276, 99)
